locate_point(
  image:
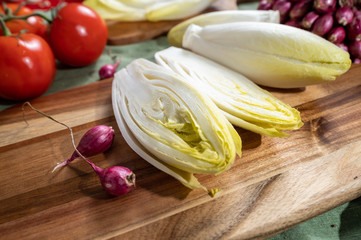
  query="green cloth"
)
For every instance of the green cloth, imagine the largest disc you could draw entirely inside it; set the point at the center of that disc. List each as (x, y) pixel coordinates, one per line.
(343, 222)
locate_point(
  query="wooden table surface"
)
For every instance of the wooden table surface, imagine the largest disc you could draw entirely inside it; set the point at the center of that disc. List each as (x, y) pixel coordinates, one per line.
(278, 182)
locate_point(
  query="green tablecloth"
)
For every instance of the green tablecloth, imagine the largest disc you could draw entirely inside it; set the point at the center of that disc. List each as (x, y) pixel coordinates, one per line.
(343, 222)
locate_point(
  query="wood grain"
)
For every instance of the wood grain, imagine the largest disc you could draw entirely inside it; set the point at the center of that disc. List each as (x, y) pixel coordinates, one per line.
(121, 33)
(278, 182)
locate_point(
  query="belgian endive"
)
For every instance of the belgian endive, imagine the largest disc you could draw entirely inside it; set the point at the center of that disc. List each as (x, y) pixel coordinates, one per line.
(269, 54)
(151, 10)
(175, 35)
(171, 124)
(244, 103)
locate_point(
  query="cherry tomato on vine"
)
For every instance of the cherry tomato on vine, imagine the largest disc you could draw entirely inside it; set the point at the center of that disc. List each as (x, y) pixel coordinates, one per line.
(27, 66)
(78, 35)
(33, 24)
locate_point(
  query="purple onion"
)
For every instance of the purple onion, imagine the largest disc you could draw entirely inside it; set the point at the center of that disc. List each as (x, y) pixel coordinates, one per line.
(344, 16)
(356, 12)
(324, 6)
(95, 141)
(115, 180)
(300, 8)
(355, 49)
(336, 35)
(265, 5)
(323, 24)
(343, 46)
(345, 3)
(357, 61)
(354, 29)
(309, 19)
(108, 70)
(283, 7)
(294, 23)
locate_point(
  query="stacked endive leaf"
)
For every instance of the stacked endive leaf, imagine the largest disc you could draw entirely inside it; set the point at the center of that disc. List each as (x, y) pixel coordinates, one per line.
(151, 10)
(243, 103)
(172, 125)
(175, 35)
(269, 54)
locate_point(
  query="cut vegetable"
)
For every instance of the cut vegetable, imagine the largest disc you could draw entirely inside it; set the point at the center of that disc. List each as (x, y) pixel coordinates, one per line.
(176, 9)
(151, 10)
(116, 10)
(172, 125)
(175, 35)
(242, 101)
(269, 54)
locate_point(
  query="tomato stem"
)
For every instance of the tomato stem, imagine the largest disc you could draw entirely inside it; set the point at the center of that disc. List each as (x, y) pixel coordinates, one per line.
(6, 31)
(7, 10)
(22, 4)
(24, 17)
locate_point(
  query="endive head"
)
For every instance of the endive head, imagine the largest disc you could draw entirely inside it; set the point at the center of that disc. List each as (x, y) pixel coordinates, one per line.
(177, 127)
(117, 10)
(175, 9)
(270, 54)
(243, 102)
(175, 35)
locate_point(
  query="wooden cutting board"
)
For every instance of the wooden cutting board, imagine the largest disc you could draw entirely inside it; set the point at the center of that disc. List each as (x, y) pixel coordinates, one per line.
(278, 182)
(121, 33)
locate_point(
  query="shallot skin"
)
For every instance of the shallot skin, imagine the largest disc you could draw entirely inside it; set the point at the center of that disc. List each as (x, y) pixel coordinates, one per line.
(309, 19)
(323, 24)
(265, 5)
(95, 141)
(108, 70)
(344, 16)
(337, 35)
(354, 29)
(300, 8)
(117, 180)
(355, 49)
(324, 6)
(283, 7)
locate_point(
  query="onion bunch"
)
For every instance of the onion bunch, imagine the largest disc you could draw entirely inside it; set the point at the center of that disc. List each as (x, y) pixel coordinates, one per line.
(338, 21)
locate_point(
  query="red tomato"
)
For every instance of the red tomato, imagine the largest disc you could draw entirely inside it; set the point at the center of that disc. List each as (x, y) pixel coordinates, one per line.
(33, 24)
(78, 35)
(27, 66)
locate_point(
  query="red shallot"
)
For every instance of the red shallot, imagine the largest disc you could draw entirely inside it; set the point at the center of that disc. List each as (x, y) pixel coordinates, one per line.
(108, 70)
(294, 23)
(309, 19)
(355, 49)
(337, 35)
(344, 16)
(283, 7)
(324, 6)
(354, 29)
(300, 8)
(115, 180)
(95, 141)
(265, 5)
(323, 24)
